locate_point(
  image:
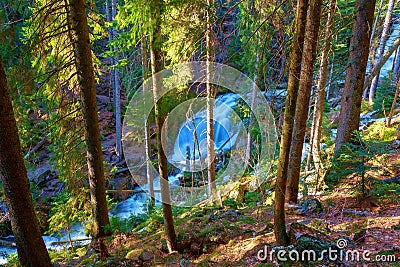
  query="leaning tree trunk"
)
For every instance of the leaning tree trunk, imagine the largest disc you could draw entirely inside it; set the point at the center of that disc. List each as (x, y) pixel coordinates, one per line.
(287, 130)
(349, 118)
(382, 44)
(157, 66)
(30, 246)
(210, 102)
(303, 100)
(320, 98)
(84, 66)
(379, 64)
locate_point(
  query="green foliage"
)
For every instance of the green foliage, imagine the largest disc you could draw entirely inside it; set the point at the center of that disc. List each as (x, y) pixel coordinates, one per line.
(356, 157)
(384, 95)
(230, 202)
(387, 191)
(379, 132)
(365, 106)
(13, 261)
(118, 225)
(68, 209)
(252, 197)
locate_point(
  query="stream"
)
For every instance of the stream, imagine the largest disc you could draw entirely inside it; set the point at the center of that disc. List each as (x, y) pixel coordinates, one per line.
(225, 137)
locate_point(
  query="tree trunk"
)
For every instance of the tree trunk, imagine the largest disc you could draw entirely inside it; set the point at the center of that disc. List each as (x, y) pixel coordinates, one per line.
(157, 66)
(373, 46)
(30, 246)
(252, 106)
(329, 86)
(396, 65)
(145, 69)
(394, 103)
(320, 98)
(84, 66)
(377, 67)
(303, 100)
(117, 90)
(349, 118)
(382, 44)
(290, 108)
(210, 101)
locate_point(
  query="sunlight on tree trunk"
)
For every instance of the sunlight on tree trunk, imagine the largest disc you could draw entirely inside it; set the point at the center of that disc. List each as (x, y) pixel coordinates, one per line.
(316, 128)
(210, 100)
(290, 109)
(84, 66)
(157, 66)
(381, 49)
(349, 118)
(149, 176)
(303, 100)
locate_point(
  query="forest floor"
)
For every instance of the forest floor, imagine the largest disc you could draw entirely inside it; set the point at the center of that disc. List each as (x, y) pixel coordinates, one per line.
(239, 235)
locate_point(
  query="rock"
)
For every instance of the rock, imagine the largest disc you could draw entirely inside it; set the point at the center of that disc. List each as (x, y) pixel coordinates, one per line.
(102, 100)
(359, 236)
(320, 225)
(349, 212)
(305, 238)
(195, 247)
(395, 180)
(311, 206)
(146, 256)
(3, 207)
(238, 192)
(395, 144)
(186, 263)
(308, 242)
(40, 174)
(134, 254)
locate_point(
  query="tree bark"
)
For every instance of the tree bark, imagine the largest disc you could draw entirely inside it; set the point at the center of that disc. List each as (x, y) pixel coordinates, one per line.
(396, 65)
(252, 106)
(149, 176)
(382, 44)
(210, 101)
(375, 70)
(290, 108)
(373, 47)
(31, 249)
(394, 103)
(84, 66)
(303, 100)
(117, 90)
(320, 98)
(157, 66)
(349, 117)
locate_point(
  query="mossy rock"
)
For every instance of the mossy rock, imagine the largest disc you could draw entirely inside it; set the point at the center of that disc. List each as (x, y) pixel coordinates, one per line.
(320, 225)
(134, 254)
(311, 206)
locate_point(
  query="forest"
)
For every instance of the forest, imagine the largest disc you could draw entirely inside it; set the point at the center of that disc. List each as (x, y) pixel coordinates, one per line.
(199, 133)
